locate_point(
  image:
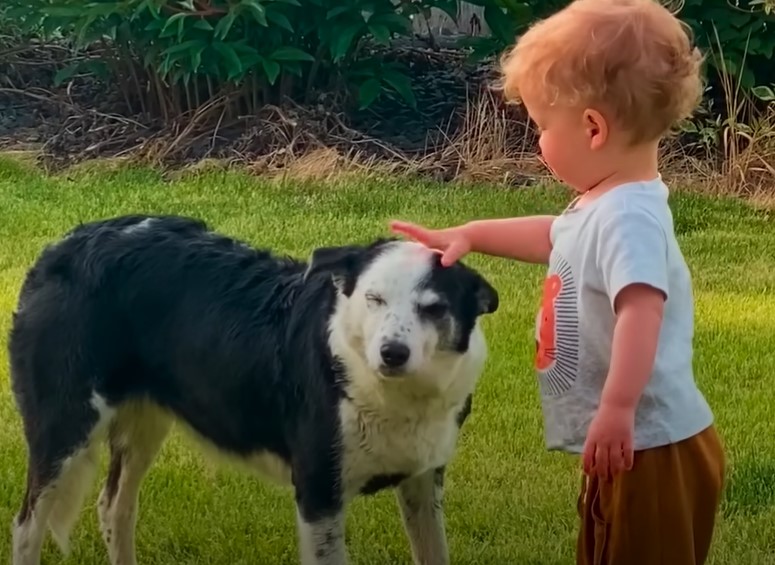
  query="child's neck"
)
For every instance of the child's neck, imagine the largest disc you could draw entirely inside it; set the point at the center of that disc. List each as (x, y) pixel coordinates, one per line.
(629, 164)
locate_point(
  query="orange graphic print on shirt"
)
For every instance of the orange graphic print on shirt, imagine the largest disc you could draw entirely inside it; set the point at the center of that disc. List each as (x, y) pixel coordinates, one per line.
(557, 334)
(547, 346)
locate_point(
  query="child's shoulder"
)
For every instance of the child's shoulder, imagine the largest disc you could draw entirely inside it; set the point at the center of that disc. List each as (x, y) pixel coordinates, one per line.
(630, 209)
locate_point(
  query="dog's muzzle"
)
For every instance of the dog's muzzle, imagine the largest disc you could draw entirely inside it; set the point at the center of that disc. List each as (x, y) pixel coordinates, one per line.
(394, 357)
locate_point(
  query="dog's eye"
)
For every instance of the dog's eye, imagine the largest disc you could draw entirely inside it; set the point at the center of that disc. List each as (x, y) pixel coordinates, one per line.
(434, 310)
(375, 299)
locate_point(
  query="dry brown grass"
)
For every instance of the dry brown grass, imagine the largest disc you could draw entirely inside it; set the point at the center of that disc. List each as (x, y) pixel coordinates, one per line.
(494, 144)
(490, 143)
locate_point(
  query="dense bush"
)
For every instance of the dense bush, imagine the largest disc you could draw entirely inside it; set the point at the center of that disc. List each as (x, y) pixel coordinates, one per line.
(175, 55)
(184, 52)
(737, 35)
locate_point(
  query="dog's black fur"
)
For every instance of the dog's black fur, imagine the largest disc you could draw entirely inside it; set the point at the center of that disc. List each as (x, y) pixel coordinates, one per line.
(230, 339)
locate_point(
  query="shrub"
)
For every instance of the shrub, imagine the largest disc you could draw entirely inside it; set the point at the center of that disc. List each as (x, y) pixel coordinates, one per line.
(173, 55)
(740, 35)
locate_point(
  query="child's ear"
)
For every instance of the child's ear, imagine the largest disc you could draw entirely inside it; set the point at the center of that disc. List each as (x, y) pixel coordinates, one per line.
(596, 128)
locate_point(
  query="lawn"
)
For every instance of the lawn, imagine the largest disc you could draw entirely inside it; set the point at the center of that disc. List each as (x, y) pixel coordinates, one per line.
(508, 500)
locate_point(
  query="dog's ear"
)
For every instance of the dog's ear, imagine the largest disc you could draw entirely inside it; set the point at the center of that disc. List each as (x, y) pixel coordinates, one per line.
(341, 263)
(487, 299)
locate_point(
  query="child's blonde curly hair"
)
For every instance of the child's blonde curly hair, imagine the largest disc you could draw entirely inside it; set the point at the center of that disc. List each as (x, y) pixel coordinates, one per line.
(630, 59)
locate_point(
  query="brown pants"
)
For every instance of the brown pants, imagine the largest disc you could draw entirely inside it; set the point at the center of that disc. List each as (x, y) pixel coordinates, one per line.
(661, 512)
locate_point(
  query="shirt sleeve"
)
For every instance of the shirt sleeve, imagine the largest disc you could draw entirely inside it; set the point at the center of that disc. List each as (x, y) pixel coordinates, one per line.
(632, 249)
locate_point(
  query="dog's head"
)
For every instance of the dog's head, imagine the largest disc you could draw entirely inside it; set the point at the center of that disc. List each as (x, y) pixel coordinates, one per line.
(400, 309)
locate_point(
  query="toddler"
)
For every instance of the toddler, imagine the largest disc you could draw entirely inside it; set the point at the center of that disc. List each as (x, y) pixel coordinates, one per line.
(604, 81)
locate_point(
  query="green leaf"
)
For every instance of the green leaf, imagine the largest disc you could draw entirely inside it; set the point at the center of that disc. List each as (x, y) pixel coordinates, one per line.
(63, 11)
(65, 74)
(154, 25)
(196, 58)
(738, 18)
(367, 12)
(768, 49)
(183, 46)
(279, 20)
(344, 40)
(172, 20)
(169, 62)
(230, 58)
(141, 7)
(381, 33)
(289, 53)
(258, 11)
(764, 93)
(271, 69)
(224, 25)
(202, 24)
(393, 21)
(747, 79)
(334, 12)
(402, 85)
(368, 93)
(500, 24)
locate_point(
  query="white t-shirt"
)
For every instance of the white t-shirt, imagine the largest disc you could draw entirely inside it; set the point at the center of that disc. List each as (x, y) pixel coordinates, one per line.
(625, 236)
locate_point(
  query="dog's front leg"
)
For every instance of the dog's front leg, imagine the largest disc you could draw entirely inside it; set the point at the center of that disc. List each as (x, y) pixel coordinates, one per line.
(320, 506)
(420, 499)
(321, 539)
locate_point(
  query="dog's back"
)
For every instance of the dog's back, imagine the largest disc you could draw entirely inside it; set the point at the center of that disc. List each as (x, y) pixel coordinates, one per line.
(154, 307)
(310, 369)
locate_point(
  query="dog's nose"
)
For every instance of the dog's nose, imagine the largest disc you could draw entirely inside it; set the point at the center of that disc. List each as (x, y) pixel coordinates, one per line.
(394, 354)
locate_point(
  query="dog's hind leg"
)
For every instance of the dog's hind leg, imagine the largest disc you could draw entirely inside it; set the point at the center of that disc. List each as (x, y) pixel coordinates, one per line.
(63, 459)
(420, 500)
(135, 438)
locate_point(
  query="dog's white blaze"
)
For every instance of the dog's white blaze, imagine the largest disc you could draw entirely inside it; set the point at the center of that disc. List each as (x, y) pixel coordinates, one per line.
(394, 278)
(406, 424)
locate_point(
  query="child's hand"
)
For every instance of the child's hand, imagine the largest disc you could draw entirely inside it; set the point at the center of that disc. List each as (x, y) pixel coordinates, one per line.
(608, 448)
(451, 242)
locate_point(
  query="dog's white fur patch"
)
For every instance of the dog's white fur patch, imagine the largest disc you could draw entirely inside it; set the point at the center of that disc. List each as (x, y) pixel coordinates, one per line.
(398, 424)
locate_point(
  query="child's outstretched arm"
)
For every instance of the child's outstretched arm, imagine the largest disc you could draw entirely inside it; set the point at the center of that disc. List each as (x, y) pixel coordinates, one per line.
(525, 239)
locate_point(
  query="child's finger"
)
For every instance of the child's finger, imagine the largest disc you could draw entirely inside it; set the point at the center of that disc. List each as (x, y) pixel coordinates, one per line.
(589, 456)
(455, 251)
(617, 460)
(601, 461)
(629, 456)
(412, 230)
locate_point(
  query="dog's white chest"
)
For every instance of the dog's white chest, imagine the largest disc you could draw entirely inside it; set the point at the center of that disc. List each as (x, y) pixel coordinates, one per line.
(398, 442)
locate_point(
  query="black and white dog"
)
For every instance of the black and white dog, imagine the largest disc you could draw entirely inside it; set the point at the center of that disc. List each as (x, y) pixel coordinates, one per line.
(339, 376)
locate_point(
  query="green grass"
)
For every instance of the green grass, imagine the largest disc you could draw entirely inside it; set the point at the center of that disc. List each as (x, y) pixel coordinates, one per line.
(509, 501)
